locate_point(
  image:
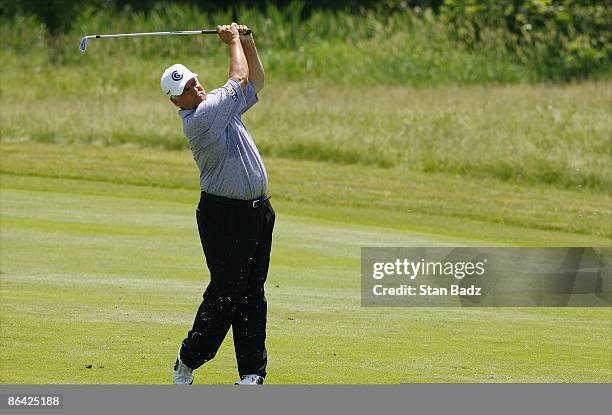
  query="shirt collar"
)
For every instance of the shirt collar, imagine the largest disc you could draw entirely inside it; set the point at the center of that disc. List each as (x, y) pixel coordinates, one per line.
(185, 113)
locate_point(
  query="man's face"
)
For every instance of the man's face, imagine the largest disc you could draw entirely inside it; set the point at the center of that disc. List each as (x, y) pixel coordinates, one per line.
(192, 95)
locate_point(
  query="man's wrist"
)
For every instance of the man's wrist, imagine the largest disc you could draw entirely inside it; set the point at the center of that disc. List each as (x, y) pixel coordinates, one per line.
(247, 40)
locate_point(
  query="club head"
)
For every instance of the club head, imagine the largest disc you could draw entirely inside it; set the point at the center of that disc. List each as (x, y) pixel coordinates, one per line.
(83, 45)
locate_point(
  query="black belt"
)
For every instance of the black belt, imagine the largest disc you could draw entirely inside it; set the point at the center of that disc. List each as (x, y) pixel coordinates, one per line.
(236, 202)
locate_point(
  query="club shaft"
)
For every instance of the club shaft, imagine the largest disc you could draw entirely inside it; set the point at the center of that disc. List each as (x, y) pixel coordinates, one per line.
(191, 32)
(85, 39)
(178, 32)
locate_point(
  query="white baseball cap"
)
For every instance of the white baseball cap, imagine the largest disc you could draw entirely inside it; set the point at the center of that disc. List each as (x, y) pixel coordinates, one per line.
(174, 79)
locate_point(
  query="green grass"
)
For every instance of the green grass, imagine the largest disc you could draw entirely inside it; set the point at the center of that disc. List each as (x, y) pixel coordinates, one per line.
(101, 265)
(100, 262)
(558, 135)
(390, 197)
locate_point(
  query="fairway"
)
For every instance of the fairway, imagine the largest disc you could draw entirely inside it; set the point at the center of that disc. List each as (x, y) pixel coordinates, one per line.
(102, 272)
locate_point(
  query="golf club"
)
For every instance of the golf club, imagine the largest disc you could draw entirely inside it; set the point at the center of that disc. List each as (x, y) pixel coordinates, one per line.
(84, 40)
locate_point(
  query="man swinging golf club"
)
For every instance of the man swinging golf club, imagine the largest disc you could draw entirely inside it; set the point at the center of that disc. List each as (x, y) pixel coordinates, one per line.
(234, 216)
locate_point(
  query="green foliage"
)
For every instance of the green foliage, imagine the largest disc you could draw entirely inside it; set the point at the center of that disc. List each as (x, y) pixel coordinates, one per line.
(56, 15)
(556, 39)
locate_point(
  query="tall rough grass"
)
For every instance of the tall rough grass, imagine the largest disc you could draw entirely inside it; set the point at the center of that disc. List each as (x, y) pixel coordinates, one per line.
(405, 47)
(401, 45)
(558, 135)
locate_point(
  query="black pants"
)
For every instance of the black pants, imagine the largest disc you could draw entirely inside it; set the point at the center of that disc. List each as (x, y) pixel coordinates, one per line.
(237, 241)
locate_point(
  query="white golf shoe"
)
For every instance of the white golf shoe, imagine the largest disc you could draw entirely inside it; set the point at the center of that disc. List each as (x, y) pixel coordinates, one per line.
(250, 380)
(182, 374)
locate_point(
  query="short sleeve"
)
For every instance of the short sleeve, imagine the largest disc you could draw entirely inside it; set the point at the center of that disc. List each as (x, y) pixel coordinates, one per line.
(250, 96)
(220, 106)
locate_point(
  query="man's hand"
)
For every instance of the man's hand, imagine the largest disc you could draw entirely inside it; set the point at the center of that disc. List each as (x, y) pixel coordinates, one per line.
(244, 38)
(228, 33)
(239, 67)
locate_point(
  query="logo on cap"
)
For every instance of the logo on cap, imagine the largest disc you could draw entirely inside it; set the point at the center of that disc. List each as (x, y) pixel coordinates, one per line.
(176, 76)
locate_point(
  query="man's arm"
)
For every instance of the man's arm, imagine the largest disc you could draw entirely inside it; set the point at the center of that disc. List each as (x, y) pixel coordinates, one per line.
(239, 67)
(256, 70)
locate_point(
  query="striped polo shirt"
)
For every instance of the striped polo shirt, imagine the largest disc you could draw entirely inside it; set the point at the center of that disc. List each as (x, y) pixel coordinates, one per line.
(230, 164)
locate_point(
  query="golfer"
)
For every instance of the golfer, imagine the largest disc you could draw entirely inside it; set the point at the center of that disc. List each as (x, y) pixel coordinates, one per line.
(234, 216)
